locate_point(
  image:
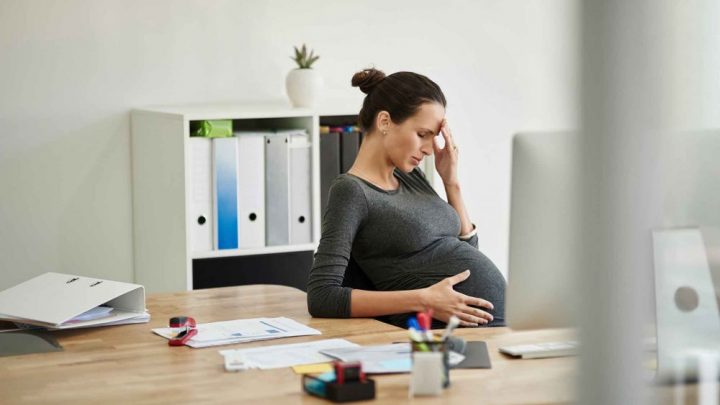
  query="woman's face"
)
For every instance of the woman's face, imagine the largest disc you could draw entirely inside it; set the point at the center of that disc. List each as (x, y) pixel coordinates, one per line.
(408, 143)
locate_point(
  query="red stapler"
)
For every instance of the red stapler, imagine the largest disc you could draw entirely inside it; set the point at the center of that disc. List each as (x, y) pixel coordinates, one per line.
(189, 329)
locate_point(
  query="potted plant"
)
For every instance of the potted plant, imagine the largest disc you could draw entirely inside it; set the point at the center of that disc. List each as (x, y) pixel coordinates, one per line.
(303, 83)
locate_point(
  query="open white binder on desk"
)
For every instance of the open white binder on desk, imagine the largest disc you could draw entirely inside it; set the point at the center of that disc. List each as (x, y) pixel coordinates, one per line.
(64, 301)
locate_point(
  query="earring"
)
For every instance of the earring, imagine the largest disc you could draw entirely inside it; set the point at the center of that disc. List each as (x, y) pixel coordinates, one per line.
(384, 132)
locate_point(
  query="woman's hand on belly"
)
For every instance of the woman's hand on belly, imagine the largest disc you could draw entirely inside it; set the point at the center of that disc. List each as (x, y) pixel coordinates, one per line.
(446, 302)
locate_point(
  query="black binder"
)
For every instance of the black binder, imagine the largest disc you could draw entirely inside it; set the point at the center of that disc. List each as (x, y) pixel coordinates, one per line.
(329, 164)
(350, 144)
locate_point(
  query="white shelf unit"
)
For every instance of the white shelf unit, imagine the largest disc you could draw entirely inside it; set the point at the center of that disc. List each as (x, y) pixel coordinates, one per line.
(163, 258)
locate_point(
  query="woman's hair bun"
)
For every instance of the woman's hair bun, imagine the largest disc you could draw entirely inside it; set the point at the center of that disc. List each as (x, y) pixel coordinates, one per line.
(367, 79)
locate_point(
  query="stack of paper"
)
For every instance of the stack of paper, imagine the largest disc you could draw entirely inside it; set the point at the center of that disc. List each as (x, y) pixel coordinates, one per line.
(96, 313)
(115, 317)
(242, 330)
(109, 318)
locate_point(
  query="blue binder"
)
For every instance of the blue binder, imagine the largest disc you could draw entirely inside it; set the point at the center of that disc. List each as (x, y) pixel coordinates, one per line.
(225, 172)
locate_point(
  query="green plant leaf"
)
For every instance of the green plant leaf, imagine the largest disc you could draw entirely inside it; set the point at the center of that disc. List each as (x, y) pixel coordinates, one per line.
(302, 58)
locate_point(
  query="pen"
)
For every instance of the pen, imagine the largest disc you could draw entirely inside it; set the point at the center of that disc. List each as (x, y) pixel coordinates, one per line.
(415, 336)
(413, 324)
(423, 319)
(418, 340)
(453, 323)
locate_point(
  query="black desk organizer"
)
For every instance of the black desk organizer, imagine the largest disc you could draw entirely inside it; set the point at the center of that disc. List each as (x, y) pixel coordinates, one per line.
(330, 390)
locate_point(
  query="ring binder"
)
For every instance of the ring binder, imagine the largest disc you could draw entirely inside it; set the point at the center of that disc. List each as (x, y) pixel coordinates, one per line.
(57, 298)
(251, 188)
(288, 188)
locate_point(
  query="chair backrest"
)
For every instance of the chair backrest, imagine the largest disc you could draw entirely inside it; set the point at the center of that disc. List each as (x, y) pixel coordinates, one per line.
(355, 277)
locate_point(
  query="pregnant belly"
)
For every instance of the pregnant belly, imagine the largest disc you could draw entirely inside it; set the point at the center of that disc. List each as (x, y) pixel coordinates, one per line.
(485, 280)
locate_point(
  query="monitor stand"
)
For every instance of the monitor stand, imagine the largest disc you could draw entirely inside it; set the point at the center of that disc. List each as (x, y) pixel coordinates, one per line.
(688, 320)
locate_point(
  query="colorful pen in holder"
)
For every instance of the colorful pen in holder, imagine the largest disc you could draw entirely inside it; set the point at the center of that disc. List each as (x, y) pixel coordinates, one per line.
(430, 358)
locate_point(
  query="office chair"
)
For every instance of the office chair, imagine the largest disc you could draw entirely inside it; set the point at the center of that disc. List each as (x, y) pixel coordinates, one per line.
(355, 277)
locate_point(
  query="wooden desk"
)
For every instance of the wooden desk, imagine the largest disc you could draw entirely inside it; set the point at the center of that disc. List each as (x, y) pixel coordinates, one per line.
(129, 364)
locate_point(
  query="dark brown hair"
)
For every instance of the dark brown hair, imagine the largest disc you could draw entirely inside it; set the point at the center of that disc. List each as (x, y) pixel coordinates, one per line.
(401, 94)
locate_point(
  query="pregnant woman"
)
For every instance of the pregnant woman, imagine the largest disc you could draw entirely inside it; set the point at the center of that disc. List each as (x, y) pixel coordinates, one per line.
(418, 251)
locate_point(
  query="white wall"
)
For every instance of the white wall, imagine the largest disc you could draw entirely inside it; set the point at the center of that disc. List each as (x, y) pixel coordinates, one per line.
(71, 70)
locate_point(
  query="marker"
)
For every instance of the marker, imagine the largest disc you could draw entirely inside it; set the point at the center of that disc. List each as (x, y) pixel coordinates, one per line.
(453, 323)
(413, 323)
(424, 321)
(415, 336)
(414, 329)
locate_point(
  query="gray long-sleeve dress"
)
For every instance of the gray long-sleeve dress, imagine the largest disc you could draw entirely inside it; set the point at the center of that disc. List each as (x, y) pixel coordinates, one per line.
(403, 239)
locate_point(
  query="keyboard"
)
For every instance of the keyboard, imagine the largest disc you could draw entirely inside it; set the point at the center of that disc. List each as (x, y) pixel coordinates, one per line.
(542, 350)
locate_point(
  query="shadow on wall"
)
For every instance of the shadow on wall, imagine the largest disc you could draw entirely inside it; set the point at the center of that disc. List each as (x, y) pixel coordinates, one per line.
(66, 205)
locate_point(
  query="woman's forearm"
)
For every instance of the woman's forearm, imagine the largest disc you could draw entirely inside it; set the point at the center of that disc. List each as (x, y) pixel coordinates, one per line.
(455, 199)
(376, 303)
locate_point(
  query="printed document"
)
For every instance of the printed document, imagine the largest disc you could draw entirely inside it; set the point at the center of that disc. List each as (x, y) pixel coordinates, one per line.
(242, 330)
(278, 356)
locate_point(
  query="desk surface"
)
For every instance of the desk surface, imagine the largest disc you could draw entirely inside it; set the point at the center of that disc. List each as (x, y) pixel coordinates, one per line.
(130, 364)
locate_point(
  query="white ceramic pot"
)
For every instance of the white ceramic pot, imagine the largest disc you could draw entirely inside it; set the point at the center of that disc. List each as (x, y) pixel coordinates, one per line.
(303, 87)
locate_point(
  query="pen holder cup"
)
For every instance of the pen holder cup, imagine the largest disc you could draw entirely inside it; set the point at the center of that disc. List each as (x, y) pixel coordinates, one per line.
(430, 367)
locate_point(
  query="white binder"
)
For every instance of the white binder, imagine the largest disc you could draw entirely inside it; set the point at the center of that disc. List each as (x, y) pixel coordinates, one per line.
(277, 190)
(251, 188)
(201, 192)
(53, 299)
(300, 190)
(287, 192)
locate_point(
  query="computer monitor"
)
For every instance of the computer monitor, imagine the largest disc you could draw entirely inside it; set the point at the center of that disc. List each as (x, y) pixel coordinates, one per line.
(691, 176)
(544, 230)
(545, 216)
(686, 249)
